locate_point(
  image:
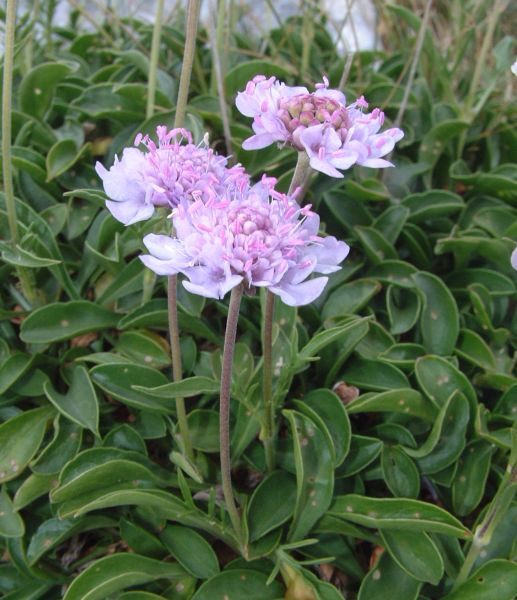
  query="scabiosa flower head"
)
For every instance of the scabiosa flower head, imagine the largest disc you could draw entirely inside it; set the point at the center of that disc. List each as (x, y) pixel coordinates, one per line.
(165, 174)
(514, 259)
(256, 236)
(334, 135)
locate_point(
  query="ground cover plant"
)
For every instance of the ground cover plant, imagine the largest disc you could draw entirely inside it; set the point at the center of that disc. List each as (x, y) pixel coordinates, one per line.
(358, 440)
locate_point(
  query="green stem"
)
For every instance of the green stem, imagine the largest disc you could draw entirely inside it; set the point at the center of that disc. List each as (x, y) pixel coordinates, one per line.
(301, 175)
(172, 300)
(486, 46)
(155, 54)
(493, 516)
(224, 408)
(24, 275)
(188, 59)
(267, 381)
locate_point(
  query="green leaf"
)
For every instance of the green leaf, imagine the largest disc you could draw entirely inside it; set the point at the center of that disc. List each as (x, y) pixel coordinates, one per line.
(239, 584)
(80, 403)
(62, 156)
(439, 378)
(64, 320)
(38, 86)
(363, 451)
(496, 580)
(415, 553)
(387, 580)
(403, 309)
(191, 550)
(331, 410)
(314, 473)
(375, 245)
(237, 78)
(11, 524)
(374, 375)
(114, 573)
(55, 531)
(20, 438)
(470, 479)
(349, 298)
(328, 336)
(13, 369)
(186, 388)
(400, 472)
(447, 438)
(405, 401)
(32, 488)
(435, 140)
(265, 512)
(473, 348)
(120, 379)
(394, 272)
(204, 429)
(439, 319)
(397, 513)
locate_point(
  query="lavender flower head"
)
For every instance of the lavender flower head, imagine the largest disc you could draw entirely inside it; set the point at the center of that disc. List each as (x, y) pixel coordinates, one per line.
(256, 236)
(334, 135)
(164, 175)
(514, 259)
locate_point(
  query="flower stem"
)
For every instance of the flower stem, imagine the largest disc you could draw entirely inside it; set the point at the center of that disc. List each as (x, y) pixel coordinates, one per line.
(24, 275)
(493, 516)
(155, 54)
(172, 302)
(224, 408)
(172, 284)
(301, 175)
(267, 381)
(188, 60)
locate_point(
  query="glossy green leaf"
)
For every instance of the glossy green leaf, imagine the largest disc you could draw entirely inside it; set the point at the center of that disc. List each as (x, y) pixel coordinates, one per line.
(439, 320)
(32, 488)
(432, 204)
(397, 513)
(239, 584)
(204, 429)
(120, 379)
(439, 378)
(20, 438)
(496, 580)
(13, 368)
(64, 446)
(415, 553)
(400, 472)
(191, 550)
(387, 580)
(114, 573)
(403, 308)
(405, 400)
(375, 245)
(265, 512)
(62, 321)
(470, 479)
(374, 375)
(11, 524)
(363, 451)
(328, 336)
(349, 298)
(331, 410)
(474, 349)
(394, 272)
(62, 156)
(314, 473)
(80, 403)
(38, 86)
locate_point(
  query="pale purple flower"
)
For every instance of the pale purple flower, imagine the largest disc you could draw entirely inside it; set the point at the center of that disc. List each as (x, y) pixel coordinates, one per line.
(256, 236)
(165, 174)
(334, 135)
(514, 259)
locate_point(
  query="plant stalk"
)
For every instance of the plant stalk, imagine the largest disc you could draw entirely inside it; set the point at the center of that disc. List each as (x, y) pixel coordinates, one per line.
(172, 283)
(267, 381)
(155, 55)
(301, 175)
(224, 408)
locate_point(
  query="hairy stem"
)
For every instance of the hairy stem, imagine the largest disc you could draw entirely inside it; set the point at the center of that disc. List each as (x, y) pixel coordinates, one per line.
(267, 381)
(155, 54)
(188, 60)
(172, 300)
(224, 408)
(301, 175)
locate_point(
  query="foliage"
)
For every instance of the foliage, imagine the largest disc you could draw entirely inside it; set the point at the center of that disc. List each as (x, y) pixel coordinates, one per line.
(396, 390)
